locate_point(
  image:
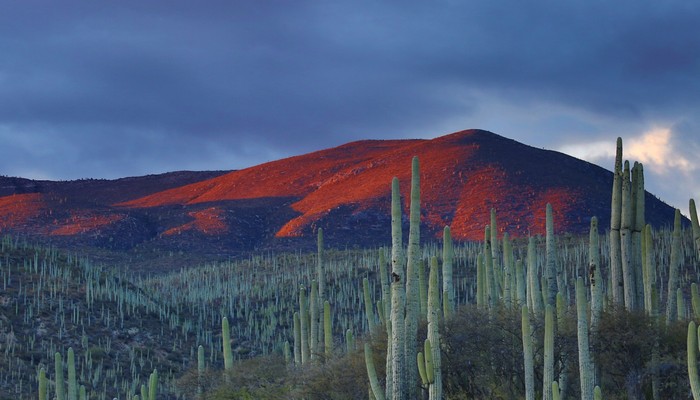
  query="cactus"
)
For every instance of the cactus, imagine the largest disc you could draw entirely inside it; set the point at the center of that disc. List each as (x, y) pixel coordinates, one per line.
(297, 339)
(695, 300)
(72, 380)
(153, 385)
(349, 341)
(548, 372)
(615, 224)
(412, 285)
(649, 274)
(695, 226)
(480, 281)
(626, 250)
(327, 329)
(369, 312)
(680, 305)
(520, 283)
(313, 318)
(595, 275)
(597, 393)
(60, 385)
(556, 394)
(435, 389)
(534, 292)
(550, 253)
(200, 370)
(226, 343)
(693, 360)
(528, 355)
(43, 383)
(398, 299)
(586, 368)
(372, 374)
(448, 292)
(304, 322)
(671, 312)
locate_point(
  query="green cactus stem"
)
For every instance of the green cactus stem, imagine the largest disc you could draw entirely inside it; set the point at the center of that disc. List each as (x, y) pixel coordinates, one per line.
(595, 276)
(304, 322)
(327, 329)
(60, 385)
(695, 226)
(448, 291)
(548, 371)
(297, 339)
(434, 377)
(314, 339)
(615, 225)
(695, 300)
(671, 311)
(201, 367)
(153, 385)
(528, 355)
(626, 250)
(550, 260)
(226, 344)
(72, 379)
(372, 374)
(412, 285)
(693, 360)
(398, 299)
(369, 311)
(586, 368)
(43, 384)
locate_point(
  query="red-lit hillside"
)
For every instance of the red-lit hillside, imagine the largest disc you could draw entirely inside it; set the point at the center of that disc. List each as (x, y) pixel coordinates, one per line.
(345, 190)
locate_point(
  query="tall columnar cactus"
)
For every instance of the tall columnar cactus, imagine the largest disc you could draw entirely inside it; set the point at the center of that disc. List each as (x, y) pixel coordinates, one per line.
(595, 275)
(226, 344)
(372, 374)
(369, 311)
(321, 279)
(72, 378)
(615, 225)
(43, 384)
(695, 300)
(626, 250)
(327, 329)
(695, 225)
(585, 362)
(297, 339)
(200, 370)
(480, 281)
(412, 286)
(508, 267)
(521, 283)
(673, 269)
(495, 252)
(304, 324)
(313, 319)
(649, 270)
(693, 360)
(490, 280)
(534, 292)
(548, 371)
(448, 292)
(398, 300)
(638, 229)
(435, 389)
(550, 254)
(528, 355)
(60, 385)
(153, 385)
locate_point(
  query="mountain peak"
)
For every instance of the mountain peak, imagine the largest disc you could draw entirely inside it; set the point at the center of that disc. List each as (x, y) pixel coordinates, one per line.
(345, 190)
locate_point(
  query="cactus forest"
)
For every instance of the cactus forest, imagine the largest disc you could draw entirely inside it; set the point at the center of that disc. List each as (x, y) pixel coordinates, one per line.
(609, 315)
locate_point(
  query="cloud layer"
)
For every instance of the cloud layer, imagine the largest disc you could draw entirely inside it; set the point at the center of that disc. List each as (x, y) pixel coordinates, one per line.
(129, 88)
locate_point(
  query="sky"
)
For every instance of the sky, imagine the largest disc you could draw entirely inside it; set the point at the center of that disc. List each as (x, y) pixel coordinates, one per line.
(108, 89)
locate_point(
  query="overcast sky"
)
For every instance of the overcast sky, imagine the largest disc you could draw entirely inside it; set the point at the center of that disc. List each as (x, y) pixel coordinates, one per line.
(111, 89)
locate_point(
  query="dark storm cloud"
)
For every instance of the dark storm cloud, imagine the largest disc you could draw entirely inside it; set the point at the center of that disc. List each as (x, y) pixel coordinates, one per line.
(138, 87)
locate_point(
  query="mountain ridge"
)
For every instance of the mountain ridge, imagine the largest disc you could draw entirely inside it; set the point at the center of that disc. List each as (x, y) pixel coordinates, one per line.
(346, 190)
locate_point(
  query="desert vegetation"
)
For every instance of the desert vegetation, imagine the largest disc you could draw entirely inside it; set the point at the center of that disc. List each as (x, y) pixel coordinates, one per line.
(608, 315)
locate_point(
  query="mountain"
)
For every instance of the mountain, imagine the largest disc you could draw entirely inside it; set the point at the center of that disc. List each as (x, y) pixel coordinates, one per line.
(345, 190)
